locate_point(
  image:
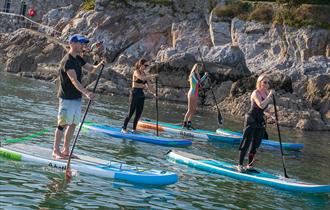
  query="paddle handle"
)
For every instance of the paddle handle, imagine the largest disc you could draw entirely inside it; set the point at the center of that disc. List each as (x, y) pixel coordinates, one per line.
(83, 120)
(279, 136)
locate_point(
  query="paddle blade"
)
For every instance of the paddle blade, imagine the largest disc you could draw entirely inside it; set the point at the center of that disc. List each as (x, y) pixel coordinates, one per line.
(68, 174)
(220, 119)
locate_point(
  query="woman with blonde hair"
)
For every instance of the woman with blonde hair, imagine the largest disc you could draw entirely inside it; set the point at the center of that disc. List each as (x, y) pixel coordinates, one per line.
(140, 81)
(195, 82)
(254, 125)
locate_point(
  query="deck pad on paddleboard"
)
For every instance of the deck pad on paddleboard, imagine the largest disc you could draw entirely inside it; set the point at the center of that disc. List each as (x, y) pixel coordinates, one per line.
(47, 153)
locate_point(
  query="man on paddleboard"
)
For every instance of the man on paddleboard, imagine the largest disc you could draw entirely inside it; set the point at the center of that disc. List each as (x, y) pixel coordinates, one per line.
(70, 93)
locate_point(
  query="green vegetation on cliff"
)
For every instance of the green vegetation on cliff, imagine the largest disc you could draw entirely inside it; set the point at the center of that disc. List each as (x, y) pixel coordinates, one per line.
(297, 13)
(321, 2)
(289, 12)
(88, 5)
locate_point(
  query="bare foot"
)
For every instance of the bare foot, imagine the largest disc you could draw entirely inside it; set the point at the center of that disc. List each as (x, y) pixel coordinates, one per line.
(66, 156)
(57, 156)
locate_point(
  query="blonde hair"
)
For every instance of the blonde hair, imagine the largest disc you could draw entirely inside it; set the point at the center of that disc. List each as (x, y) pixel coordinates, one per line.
(193, 70)
(194, 67)
(260, 78)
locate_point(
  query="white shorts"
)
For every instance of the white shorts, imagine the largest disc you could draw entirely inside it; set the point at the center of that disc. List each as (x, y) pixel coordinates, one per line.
(69, 112)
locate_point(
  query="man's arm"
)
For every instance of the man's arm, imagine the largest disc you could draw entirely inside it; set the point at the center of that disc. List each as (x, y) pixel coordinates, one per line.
(73, 77)
(93, 68)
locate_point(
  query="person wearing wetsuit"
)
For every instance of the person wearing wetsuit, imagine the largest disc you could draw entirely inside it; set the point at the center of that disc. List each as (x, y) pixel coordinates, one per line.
(195, 82)
(254, 125)
(140, 81)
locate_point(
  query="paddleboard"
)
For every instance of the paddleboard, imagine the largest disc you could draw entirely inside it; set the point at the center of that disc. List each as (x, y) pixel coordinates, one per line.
(143, 137)
(260, 177)
(88, 165)
(220, 135)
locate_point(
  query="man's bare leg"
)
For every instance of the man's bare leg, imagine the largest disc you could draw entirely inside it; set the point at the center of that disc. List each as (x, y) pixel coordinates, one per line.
(67, 138)
(57, 141)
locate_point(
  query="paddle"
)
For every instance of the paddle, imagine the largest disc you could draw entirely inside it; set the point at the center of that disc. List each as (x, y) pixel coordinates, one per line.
(157, 106)
(279, 136)
(220, 119)
(68, 171)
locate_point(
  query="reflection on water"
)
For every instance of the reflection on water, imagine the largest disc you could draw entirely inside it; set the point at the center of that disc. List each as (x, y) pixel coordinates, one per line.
(27, 106)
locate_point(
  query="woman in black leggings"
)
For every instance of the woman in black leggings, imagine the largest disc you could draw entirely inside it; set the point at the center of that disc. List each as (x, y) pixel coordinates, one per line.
(139, 81)
(254, 125)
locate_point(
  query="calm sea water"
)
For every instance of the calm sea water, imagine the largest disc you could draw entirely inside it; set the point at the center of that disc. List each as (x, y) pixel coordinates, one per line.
(28, 105)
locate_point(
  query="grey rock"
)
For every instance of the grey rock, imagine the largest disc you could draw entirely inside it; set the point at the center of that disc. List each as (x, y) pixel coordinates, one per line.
(62, 14)
(170, 36)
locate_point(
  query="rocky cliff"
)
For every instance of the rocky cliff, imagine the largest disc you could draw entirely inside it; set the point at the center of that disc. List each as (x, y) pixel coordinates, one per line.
(169, 33)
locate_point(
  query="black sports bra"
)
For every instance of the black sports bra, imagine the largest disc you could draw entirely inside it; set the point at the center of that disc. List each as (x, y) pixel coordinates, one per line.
(141, 81)
(255, 106)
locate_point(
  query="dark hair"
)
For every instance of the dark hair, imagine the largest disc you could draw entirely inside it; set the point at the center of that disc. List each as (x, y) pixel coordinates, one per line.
(139, 63)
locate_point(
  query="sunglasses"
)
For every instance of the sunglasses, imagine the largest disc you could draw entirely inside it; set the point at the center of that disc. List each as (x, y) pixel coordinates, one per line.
(145, 65)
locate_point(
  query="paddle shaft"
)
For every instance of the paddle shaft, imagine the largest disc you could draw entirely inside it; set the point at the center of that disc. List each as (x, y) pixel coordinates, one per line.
(279, 136)
(82, 122)
(157, 106)
(220, 119)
